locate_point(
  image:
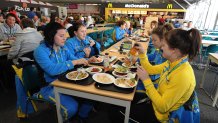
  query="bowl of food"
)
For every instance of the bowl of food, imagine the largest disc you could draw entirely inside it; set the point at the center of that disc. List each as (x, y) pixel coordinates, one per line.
(76, 75)
(103, 78)
(125, 82)
(93, 70)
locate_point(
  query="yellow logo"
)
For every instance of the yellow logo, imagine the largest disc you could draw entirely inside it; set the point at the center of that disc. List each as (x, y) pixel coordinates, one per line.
(169, 6)
(109, 5)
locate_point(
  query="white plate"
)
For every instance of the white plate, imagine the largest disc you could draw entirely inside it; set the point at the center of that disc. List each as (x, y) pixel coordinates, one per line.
(143, 39)
(120, 82)
(68, 75)
(124, 64)
(90, 70)
(117, 75)
(103, 78)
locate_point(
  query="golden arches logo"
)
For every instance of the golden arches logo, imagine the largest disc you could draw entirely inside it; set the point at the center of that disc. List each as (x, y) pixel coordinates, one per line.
(109, 5)
(169, 6)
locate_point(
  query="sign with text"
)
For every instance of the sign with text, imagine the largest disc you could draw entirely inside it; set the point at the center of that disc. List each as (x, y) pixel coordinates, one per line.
(143, 5)
(136, 6)
(19, 8)
(72, 6)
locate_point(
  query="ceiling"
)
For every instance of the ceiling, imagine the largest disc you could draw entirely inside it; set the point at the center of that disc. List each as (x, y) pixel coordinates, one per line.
(62, 2)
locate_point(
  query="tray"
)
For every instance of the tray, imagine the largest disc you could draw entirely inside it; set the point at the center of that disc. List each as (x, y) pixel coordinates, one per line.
(112, 87)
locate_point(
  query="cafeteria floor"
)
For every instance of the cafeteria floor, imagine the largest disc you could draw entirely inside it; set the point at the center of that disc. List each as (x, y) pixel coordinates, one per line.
(47, 114)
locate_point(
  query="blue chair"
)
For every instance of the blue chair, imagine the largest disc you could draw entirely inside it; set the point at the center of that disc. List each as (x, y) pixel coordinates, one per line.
(206, 38)
(187, 115)
(94, 36)
(213, 33)
(210, 49)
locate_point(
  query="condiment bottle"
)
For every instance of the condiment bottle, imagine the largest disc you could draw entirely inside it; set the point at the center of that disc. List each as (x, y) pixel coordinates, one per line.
(133, 51)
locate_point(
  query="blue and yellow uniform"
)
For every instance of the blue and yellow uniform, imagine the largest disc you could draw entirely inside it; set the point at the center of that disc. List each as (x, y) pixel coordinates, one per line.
(53, 64)
(76, 46)
(175, 86)
(154, 58)
(119, 33)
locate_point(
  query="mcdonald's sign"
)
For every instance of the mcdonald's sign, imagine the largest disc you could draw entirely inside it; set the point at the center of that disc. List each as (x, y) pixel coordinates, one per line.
(169, 6)
(109, 5)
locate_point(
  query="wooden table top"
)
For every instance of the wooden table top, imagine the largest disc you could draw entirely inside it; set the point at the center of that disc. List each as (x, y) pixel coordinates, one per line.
(215, 56)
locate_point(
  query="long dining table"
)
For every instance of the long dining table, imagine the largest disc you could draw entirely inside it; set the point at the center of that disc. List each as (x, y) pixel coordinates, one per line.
(93, 93)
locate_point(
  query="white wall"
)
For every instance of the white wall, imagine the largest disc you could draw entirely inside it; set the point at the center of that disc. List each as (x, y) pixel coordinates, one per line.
(203, 14)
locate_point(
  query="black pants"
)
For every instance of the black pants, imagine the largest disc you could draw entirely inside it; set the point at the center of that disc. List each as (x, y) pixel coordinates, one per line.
(143, 112)
(7, 73)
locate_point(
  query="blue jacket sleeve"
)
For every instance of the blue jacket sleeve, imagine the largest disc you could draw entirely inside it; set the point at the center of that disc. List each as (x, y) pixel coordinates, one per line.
(42, 58)
(97, 47)
(119, 33)
(71, 48)
(151, 56)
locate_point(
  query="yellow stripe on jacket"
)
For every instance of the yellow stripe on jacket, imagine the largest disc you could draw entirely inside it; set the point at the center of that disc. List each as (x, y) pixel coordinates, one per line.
(171, 94)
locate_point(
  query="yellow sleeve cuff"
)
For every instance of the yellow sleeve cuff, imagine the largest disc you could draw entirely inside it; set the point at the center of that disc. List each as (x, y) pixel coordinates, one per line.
(148, 83)
(143, 55)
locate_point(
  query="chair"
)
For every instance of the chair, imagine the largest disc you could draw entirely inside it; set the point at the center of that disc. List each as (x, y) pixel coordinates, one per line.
(28, 83)
(188, 113)
(32, 84)
(207, 38)
(114, 36)
(210, 49)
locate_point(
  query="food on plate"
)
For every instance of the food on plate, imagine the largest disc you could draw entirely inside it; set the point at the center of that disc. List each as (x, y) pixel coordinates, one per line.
(121, 69)
(75, 75)
(125, 82)
(97, 60)
(103, 78)
(94, 69)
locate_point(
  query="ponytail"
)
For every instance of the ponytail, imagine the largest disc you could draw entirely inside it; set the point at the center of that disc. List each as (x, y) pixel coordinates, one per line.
(74, 28)
(195, 39)
(188, 42)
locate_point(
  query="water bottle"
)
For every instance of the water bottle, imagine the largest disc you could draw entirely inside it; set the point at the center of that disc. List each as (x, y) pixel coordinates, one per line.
(106, 62)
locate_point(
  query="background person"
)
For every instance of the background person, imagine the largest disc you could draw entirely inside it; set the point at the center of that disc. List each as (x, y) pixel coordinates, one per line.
(81, 45)
(9, 28)
(120, 32)
(26, 41)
